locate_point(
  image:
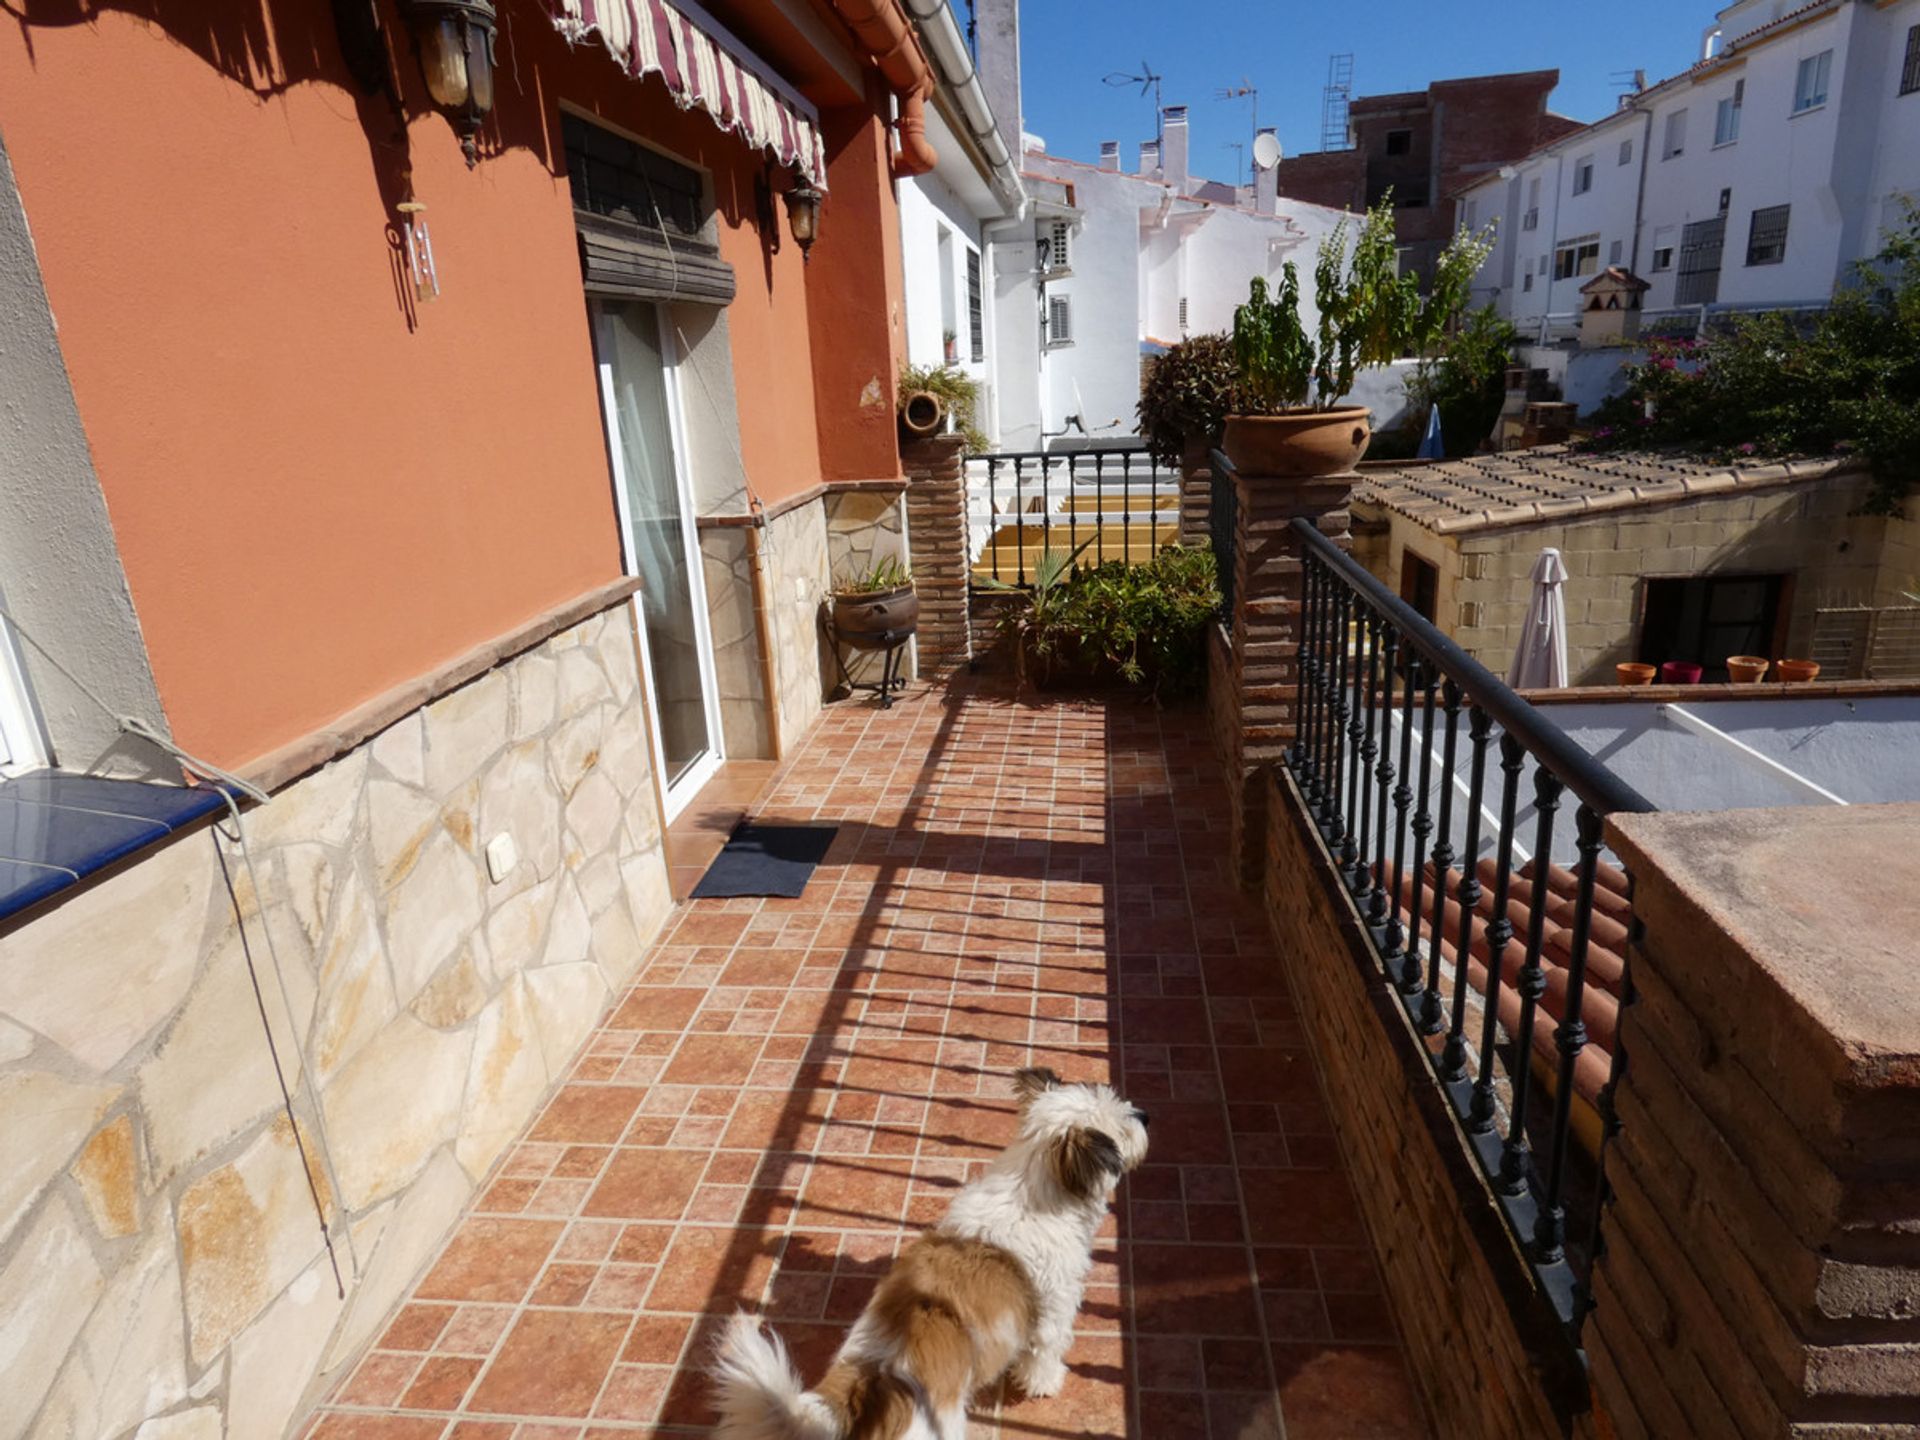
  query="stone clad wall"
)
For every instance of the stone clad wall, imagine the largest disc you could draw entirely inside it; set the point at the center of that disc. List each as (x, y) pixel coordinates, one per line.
(794, 549)
(159, 1251)
(863, 528)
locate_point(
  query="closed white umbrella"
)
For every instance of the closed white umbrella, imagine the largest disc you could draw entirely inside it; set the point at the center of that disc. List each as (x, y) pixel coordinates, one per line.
(1540, 659)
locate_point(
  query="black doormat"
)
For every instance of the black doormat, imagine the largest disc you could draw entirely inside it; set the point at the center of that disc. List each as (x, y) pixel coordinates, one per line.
(771, 860)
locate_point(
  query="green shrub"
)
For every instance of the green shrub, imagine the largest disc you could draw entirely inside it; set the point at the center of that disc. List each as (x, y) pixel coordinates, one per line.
(1466, 380)
(1846, 381)
(1190, 390)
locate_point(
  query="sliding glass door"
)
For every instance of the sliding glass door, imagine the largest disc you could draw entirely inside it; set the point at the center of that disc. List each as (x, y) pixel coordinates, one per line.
(637, 396)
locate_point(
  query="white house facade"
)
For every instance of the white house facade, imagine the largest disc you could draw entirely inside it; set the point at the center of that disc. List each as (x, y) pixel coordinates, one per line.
(947, 215)
(1754, 179)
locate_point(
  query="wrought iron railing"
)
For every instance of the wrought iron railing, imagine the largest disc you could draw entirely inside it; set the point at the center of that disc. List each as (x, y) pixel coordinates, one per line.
(1223, 520)
(1120, 504)
(1447, 887)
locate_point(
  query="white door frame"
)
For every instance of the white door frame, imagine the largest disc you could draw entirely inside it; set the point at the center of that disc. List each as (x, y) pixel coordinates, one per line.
(674, 796)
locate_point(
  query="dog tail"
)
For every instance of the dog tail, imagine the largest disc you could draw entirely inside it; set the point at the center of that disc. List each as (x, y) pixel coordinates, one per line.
(760, 1395)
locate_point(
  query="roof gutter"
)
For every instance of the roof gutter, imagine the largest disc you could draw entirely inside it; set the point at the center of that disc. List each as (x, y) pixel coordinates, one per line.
(882, 28)
(941, 35)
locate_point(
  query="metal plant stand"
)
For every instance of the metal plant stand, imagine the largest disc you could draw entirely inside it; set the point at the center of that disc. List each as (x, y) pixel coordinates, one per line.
(890, 643)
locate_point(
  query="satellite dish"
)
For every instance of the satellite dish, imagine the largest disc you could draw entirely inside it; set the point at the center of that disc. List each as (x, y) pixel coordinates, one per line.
(1266, 150)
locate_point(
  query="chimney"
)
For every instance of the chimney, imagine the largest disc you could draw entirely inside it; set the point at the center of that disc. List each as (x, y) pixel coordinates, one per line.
(1173, 149)
(997, 57)
(1149, 159)
(1266, 178)
(1109, 154)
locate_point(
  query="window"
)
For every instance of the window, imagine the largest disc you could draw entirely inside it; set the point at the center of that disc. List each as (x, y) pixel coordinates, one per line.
(1810, 82)
(1545, 260)
(1663, 243)
(1701, 246)
(1726, 119)
(1183, 314)
(1614, 252)
(1469, 214)
(949, 302)
(1709, 617)
(611, 176)
(20, 746)
(976, 314)
(1910, 70)
(1411, 195)
(1577, 258)
(1532, 220)
(1583, 175)
(1676, 135)
(1419, 583)
(1059, 245)
(1626, 152)
(1059, 320)
(1399, 142)
(1767, 240)
(1526, 282)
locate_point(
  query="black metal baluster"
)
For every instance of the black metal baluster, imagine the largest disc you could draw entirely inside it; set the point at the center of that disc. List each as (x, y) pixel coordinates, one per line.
(1550, 1227)
(1410, 980)
(1073, 506)
(1020, 519)
(1402, 802)
(1302, 692)
(993, 513)
(1453, 1059)
(1331, 814)
(1323, 675)
(1432, 1015)
(1353, 851)
(1499, 932)
(1516, 1155)
(1126, 499)
(1099, 507)
(1046, 500)
(1609, 1124)
(1379, 901)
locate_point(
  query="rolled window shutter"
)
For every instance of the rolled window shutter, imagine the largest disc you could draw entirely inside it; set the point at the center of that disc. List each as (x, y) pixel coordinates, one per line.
(637, 263)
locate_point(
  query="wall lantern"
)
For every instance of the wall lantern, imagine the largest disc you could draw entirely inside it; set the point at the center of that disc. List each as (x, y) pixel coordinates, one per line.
(455, 38)
(803, 213)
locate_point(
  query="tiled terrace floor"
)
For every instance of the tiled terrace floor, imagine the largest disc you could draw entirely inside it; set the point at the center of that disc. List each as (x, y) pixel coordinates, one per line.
(791, 1087)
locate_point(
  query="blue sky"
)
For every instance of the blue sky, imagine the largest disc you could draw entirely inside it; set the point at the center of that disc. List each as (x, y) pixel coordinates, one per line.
(1281, 47)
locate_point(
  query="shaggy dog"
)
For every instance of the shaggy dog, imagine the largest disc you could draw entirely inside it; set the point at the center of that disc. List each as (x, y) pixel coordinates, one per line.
(991, 1290)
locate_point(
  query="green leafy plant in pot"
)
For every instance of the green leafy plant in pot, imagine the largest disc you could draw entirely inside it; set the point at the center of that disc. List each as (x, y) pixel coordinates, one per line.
(878, 607)
(1292, 379)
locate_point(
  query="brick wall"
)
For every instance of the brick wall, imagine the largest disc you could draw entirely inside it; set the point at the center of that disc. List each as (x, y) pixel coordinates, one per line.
(937, 541)
(1761, 1271)
(1463, 1320)
(1326, 177)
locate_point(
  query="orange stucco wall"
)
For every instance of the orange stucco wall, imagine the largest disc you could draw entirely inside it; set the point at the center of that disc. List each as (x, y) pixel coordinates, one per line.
(317, 494)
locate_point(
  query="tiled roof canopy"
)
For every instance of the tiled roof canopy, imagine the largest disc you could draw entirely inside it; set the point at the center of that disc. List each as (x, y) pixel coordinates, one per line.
(1554, 483)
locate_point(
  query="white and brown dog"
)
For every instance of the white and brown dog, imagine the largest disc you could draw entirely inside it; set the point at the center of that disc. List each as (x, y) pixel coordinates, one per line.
(991, 1290)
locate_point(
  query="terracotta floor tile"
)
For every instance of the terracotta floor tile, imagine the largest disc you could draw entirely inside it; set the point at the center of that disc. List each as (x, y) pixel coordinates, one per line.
(490, 1259)
(792, 1086)
(552, 1362)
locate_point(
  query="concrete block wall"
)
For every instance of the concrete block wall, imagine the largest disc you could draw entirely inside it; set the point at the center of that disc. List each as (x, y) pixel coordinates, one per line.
(160, 1256)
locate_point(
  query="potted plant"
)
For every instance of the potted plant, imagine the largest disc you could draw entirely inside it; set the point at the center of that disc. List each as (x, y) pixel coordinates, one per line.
(936, 397)
(1189, 392)
(876, 609)
(1035, 623)
(951, 344)
(1292, 382)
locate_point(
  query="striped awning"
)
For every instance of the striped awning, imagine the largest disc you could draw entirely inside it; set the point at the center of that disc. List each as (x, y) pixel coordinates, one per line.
(704, 67)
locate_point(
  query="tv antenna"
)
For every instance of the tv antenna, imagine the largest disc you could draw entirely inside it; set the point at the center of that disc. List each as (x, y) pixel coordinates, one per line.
(1239, 149)
(1145, 79)
(1336, 101)
(1243, 91)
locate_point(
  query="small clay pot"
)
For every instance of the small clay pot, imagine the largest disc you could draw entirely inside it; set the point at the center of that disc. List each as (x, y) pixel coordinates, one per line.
(1633, 672)
(1680, 672)
(1796, 672)
(1747, 669)
(922, 413)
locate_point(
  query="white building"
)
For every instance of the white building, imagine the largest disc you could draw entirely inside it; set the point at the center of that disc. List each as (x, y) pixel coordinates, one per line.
(945, 215)
(1754, 179)
(1115, 265)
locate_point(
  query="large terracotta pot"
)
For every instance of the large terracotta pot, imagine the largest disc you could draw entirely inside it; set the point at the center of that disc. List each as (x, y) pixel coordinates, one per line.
(922, 413)
(877, 619)
(1298, 443)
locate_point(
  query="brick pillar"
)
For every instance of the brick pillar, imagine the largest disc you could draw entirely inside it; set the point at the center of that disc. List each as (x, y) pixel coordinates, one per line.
(937, 539)
(1265, 636)
(1760, 1269)
(1196, 492)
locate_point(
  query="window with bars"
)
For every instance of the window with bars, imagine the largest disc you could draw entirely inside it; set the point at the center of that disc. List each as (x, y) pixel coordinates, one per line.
(1059, 320)
(1577, 258)
(1767, 238)
(1810, 82)
(610, 175)
(1910, 69)
(976, 313)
